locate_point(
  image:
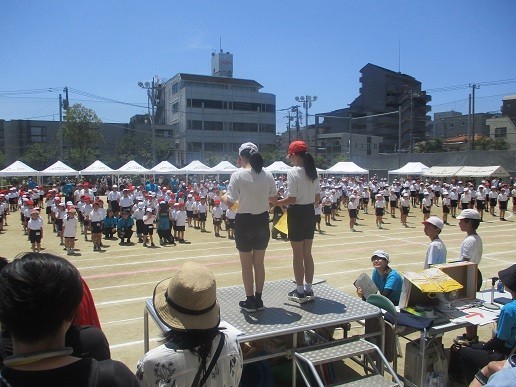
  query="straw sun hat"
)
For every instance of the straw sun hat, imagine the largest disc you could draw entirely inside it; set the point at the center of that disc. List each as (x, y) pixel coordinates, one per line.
(188, 300)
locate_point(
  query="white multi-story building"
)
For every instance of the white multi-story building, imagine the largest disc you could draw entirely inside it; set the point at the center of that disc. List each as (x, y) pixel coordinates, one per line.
(214, 115)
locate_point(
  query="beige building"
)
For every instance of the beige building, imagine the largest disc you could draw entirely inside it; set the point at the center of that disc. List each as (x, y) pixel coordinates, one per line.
(503, 128)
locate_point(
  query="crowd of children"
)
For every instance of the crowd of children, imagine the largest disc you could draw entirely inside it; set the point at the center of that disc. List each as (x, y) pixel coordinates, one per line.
(171, 210)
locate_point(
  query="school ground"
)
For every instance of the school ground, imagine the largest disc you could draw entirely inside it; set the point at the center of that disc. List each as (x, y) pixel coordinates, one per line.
(121, 278)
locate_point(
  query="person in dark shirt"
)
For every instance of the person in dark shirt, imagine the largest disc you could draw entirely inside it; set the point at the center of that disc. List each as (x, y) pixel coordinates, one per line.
(39, 297)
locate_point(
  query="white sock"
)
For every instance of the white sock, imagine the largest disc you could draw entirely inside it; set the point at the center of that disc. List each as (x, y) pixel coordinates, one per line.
(300, 289)
(308, 288)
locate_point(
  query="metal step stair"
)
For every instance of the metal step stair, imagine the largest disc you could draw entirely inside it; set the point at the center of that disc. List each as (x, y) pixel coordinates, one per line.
(338, 350)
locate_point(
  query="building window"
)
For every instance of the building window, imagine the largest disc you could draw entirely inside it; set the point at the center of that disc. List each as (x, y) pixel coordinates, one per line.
(175, 108)
(208, 125)
(500, 132)
(38, 134)
(245, 127)
(163, 133)
(175, 87)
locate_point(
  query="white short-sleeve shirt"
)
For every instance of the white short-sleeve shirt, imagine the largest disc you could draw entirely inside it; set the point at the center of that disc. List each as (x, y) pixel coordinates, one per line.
(252, 190)
(471, 249)
(301, 187)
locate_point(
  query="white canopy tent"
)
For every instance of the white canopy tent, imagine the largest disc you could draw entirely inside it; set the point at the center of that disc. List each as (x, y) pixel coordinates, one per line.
(195, 168)
(132, 168)
(165, 167)
(412, 168)
(97, 168)
(59, 169)
(491, 171)
(346, 168)
(224, 167)
(438, 171)
(278, 167)
(18, 168)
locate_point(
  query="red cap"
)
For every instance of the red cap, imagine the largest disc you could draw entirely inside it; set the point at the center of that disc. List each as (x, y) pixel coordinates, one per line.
(297, 146)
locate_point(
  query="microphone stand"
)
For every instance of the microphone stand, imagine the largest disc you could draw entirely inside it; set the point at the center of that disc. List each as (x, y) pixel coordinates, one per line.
(492, 305)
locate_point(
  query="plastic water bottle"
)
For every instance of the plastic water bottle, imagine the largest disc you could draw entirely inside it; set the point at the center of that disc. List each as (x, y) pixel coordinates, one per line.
(499, 287)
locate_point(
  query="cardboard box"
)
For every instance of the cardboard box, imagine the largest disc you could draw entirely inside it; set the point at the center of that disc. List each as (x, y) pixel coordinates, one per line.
(464, 273)
(421, 288)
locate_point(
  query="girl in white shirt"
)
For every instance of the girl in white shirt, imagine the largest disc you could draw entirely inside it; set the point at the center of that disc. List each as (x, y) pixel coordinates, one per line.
(303, 192)
(254, 188)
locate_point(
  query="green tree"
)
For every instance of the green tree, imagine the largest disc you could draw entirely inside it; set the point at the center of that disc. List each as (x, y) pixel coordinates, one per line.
(271, 154)
(430, 146)
(40, 155)
(126, 149)
(164, 150)
(2, 160)
(486, 143)
(81, 130)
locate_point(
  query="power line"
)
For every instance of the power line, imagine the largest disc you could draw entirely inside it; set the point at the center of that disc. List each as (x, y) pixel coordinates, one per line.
(467, 85)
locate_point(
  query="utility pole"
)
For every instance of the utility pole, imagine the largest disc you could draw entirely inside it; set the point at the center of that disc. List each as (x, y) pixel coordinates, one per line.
(307, 103)
(202, 129)
(473, 86)
(151, 102)
(62, 105)
(316, 130)
(60, 127)
(469, 122)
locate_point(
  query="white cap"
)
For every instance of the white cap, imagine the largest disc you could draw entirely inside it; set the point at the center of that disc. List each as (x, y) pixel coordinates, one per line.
(381, 254)
(469, 214)
(435, 221)
(248, 146)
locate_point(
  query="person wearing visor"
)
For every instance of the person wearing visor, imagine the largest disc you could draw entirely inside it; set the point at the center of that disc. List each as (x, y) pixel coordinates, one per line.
(387, 280)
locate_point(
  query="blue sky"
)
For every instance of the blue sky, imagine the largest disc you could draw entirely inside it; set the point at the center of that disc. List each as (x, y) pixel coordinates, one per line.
(292, 48)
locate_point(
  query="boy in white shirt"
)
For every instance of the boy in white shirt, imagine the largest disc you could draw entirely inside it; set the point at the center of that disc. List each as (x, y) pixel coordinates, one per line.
(217, 217)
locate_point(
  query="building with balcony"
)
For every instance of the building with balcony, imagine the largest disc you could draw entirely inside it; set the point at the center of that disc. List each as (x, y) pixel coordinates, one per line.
(390, 105)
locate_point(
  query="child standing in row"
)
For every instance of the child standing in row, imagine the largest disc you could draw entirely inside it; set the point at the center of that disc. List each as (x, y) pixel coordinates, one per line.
(405, 208)
(35, 226)
(379, 209)
(148, 231)
(217, 217)
(352, 210)
(70, 231)
(180, 220)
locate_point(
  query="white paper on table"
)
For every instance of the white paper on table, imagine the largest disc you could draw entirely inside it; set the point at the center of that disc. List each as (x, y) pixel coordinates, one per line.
(476, 316)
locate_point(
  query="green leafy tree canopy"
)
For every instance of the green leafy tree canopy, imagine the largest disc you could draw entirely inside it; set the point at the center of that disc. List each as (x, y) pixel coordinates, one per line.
(81, 130)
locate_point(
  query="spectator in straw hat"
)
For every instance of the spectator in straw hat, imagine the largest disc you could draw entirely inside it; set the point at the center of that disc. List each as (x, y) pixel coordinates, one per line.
(195, 351)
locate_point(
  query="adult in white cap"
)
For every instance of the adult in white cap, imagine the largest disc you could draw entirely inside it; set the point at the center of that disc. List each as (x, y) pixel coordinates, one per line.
(436, 251)
(387, 280)
(196, 352)
(253, 188)
(471, 251)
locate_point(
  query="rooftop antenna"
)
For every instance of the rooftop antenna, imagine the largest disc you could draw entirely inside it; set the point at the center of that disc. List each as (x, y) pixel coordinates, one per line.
(220, 43)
